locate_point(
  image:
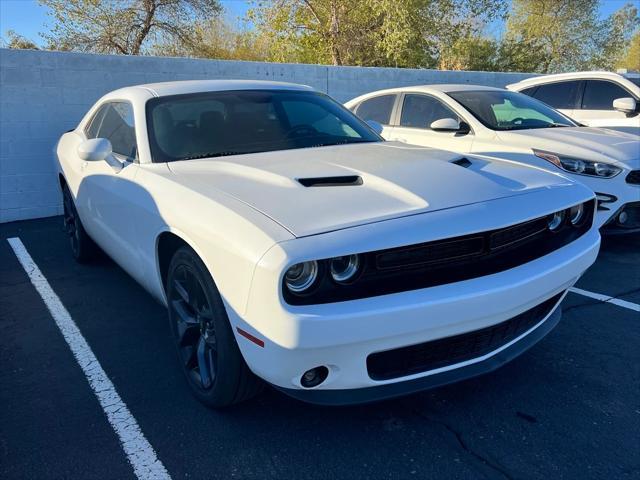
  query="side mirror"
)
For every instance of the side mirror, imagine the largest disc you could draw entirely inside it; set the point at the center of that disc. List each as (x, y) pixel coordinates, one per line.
(95, 149)
(375, 126)
(445, 125)
(625, 105)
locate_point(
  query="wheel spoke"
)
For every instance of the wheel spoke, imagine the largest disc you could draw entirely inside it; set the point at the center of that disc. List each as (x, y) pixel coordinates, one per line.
(204, 363)
(181, 291)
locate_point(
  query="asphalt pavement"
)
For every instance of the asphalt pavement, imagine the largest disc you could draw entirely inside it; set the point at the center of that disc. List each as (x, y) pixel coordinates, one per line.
(568, 408)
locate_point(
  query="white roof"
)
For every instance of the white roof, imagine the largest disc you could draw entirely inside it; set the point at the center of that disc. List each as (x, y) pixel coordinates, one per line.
(196, 86)
(437, 87)
(567, 76)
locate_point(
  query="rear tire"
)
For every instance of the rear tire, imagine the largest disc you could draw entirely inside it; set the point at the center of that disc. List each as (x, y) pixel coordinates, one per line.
(83, 248)
(207, 350)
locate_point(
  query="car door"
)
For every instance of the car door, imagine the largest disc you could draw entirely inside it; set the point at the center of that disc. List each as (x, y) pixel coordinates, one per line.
(596, 107)
(108, 186)
(380, 109)
(417, 112)
(562, 96)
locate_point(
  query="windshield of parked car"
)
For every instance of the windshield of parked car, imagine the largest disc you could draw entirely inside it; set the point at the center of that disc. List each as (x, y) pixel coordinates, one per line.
(503, 110)
(215, 124)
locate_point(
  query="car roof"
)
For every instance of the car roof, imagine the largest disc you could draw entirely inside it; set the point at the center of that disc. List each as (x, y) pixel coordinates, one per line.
(436, 87)
(199, 86)
(566, 76)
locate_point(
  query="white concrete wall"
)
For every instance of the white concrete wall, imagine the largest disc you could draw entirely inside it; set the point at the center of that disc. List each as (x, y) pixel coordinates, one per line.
(43, 94)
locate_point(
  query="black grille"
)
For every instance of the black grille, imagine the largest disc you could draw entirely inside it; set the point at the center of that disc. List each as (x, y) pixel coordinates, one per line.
(444, 261)
(634, 177)
(440, 353)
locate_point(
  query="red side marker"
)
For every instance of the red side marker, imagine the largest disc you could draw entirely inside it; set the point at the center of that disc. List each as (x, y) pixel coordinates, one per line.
(248, 336)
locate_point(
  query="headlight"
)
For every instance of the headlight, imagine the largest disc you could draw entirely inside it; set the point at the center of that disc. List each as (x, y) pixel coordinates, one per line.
(345, 269)
(301, 276)
(576, 214)
(581, 167)
(555, 221)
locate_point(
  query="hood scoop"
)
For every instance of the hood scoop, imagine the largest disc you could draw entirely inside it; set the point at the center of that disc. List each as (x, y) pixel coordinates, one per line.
(462, 162)
(342, 181)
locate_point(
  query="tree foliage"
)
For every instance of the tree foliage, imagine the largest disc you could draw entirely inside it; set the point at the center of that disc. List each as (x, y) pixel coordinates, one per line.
(410, 33)
(15, 40)
(569, 33)
(631, 59)
(123, 26)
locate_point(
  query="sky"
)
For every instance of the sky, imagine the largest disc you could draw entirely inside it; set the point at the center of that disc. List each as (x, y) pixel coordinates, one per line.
(28, 18)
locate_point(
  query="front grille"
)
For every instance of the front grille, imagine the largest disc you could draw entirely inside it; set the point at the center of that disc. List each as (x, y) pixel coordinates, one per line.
(443, 352)
(634, 177)
(445, 261)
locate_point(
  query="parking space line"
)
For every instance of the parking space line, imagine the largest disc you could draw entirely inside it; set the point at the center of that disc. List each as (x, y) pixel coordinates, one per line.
(607, 299)
(139, 451)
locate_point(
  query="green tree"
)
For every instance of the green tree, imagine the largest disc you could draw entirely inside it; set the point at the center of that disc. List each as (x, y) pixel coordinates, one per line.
(124, 26)
(631, 59)
(411, 33)
(569, 33)
(15, 40)
(216, 38)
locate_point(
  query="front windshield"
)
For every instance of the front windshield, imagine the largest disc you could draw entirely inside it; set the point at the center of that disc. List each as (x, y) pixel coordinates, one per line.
(503, 110)
(214, 124)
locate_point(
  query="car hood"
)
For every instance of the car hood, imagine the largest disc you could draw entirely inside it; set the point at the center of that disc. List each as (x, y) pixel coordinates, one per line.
(597, 144)
(396, 180)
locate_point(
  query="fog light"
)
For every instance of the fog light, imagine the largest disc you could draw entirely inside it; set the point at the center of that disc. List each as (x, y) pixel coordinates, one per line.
(314, 377)
(623, 217)
(555, 221)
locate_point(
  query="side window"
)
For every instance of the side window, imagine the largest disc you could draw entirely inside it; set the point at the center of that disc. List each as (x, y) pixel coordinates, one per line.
(599, 95)
(377, 109)
(558, 95)
(420, 111)
(91, 130)
(117, 126)
(529, 91)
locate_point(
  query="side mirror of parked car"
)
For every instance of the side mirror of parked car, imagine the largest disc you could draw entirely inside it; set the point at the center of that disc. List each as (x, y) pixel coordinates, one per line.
(94, 149)
(375, 126)
(625, 105)
(445, 125)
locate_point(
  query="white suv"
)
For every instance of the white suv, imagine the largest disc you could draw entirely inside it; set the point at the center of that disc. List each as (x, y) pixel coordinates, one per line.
(596, 99)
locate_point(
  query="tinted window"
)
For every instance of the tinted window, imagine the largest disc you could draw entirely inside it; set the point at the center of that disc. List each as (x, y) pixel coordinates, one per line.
(116, 125)
(377, 109)
(504, 110)
(529, 91)
(242, 122)
(420, 111)
(635, 80)
(558, 95)
(599, 95)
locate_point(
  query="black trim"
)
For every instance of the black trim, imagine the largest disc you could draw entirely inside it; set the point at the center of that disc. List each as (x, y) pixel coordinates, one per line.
(392, 390)
(634, 177)
(450, 260)
(443, 352)
(347, 180)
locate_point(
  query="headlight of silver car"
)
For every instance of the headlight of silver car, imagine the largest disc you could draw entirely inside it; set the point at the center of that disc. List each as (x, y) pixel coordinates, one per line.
(579, 166)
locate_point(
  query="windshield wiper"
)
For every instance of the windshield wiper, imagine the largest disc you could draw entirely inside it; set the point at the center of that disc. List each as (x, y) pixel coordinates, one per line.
(213, 154)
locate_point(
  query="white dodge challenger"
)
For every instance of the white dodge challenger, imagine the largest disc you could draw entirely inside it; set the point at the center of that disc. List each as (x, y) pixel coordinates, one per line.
(290, 243)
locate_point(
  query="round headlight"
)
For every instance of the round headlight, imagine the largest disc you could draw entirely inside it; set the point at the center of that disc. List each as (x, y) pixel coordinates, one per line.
(555, 221)
(345, 268)
(301, 276)
(576, 214)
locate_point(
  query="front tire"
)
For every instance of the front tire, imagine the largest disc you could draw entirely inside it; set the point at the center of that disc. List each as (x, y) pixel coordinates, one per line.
(209, 355)
(83, 247)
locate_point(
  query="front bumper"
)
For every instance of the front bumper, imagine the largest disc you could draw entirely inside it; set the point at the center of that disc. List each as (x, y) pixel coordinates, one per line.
(343, 335)
(391, 390)
(614, 196)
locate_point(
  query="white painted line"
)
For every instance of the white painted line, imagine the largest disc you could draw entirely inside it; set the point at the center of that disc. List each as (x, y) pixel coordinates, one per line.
(607, 299)
(139, 451)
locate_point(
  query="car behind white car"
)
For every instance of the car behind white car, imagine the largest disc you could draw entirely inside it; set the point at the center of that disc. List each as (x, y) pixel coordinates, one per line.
(596, 99)
(289, 242)
(500, 123)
